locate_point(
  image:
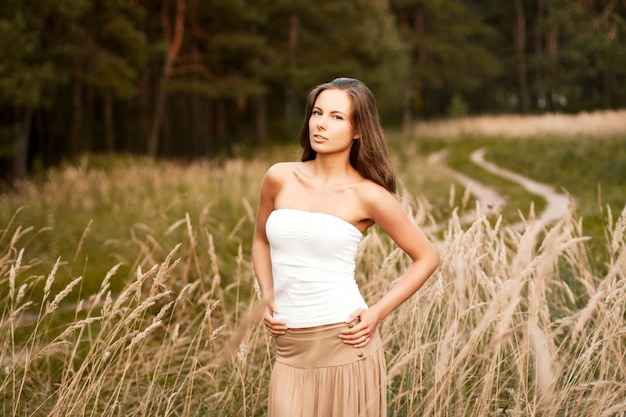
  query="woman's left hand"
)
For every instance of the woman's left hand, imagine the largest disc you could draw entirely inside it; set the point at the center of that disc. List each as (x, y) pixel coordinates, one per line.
(361, 328)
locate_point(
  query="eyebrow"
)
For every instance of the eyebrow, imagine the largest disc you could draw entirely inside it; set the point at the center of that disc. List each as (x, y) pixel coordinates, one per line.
(332, 111)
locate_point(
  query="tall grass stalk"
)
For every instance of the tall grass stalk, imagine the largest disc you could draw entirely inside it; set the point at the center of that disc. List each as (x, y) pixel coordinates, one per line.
(496, 331)
(163, 318)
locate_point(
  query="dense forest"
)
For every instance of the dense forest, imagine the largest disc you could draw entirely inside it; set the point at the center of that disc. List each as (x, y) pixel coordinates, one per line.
(196, 78)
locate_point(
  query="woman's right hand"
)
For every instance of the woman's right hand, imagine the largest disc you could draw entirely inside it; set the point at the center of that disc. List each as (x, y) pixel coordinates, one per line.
(275, 327)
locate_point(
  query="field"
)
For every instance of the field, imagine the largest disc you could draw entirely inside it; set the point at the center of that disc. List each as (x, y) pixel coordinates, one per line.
(126, 284)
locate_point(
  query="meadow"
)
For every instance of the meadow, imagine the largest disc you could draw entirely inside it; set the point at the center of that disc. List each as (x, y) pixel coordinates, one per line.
(126, 284)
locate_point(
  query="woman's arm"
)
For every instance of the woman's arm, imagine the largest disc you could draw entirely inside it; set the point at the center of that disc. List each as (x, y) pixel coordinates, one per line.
(385, 210)
(261, 251)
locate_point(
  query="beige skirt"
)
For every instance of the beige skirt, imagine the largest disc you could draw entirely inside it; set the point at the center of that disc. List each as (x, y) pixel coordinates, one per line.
(317, 375)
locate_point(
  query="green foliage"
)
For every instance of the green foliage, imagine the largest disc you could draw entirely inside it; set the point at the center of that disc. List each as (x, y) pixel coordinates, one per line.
(448, 44)
(24, 77)
(458, 107)
(82, 76)
(114, 52)
(109, 73)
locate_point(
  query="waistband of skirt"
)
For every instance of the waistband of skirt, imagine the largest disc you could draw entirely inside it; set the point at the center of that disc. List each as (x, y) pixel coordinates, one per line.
(320, 346)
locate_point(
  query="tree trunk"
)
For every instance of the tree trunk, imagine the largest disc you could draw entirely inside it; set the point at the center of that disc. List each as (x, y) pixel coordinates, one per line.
(239, 118)
(408, 91)
(292, 50)
(220, 119)
(144, 121)
(210, 122)
(609, 58)
(607, 77)
(109, 127)
(78, 108)
(261, 119)
(551, 51)
(167, 133)
(22, 134)
(89, 114)
(174, 41)
(539, 73)
(414, 88)
(196, 123)
(200, 117)
(407, 116)
(519, 37)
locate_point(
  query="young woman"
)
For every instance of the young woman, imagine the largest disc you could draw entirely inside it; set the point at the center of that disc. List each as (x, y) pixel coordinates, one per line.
(310, 220)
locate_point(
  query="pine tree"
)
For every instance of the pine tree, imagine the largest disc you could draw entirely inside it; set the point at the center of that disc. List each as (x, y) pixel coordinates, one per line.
(28, 75)
(449, 52)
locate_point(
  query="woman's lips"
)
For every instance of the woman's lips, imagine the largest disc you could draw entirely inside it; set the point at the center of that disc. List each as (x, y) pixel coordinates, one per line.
(319, 138)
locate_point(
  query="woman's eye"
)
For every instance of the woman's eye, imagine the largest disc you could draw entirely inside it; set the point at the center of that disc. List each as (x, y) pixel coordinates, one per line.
(338, 117)
(316, 113)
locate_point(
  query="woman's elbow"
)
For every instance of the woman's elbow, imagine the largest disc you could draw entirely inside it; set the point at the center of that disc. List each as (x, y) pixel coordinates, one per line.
(434, 260)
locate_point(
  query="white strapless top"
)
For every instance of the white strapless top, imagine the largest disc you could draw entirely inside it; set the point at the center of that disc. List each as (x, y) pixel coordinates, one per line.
(313, 263)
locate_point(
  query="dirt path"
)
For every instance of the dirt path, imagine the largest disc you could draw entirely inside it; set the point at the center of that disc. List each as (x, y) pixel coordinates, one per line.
(491, 202)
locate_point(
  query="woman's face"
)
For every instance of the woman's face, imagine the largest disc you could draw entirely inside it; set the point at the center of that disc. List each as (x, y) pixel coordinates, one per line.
(330, 124)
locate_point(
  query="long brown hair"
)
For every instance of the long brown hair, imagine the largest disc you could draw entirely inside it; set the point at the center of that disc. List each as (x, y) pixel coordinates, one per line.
(368, 155)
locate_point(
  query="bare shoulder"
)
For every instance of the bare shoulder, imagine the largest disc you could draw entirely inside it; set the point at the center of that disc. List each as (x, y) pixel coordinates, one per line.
(280, 171)
(383, 208)
(273, 182)
(374, 196)
(282, 167)
(377, 203)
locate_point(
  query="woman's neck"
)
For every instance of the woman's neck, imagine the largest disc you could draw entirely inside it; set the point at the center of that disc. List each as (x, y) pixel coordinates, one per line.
(327, 169)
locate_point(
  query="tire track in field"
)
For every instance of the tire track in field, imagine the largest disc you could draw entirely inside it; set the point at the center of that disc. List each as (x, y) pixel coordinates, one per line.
(492, 202)
(558, 204)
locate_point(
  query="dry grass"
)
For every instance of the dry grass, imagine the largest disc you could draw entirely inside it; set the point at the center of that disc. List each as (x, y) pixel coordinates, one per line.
(497, 331)
(515, 322)
(157, 348)
(600, 123)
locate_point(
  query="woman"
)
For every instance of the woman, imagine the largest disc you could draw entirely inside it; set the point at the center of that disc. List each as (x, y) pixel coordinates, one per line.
(311, 217)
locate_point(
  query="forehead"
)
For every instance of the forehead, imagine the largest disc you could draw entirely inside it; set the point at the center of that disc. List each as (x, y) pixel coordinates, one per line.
(332, 100)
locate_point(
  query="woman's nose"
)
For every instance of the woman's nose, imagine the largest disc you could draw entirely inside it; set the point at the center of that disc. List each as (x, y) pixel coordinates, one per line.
(321, 122)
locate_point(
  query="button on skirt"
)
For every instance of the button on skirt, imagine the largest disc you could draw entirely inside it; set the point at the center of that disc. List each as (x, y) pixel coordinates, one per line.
(317, 375)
